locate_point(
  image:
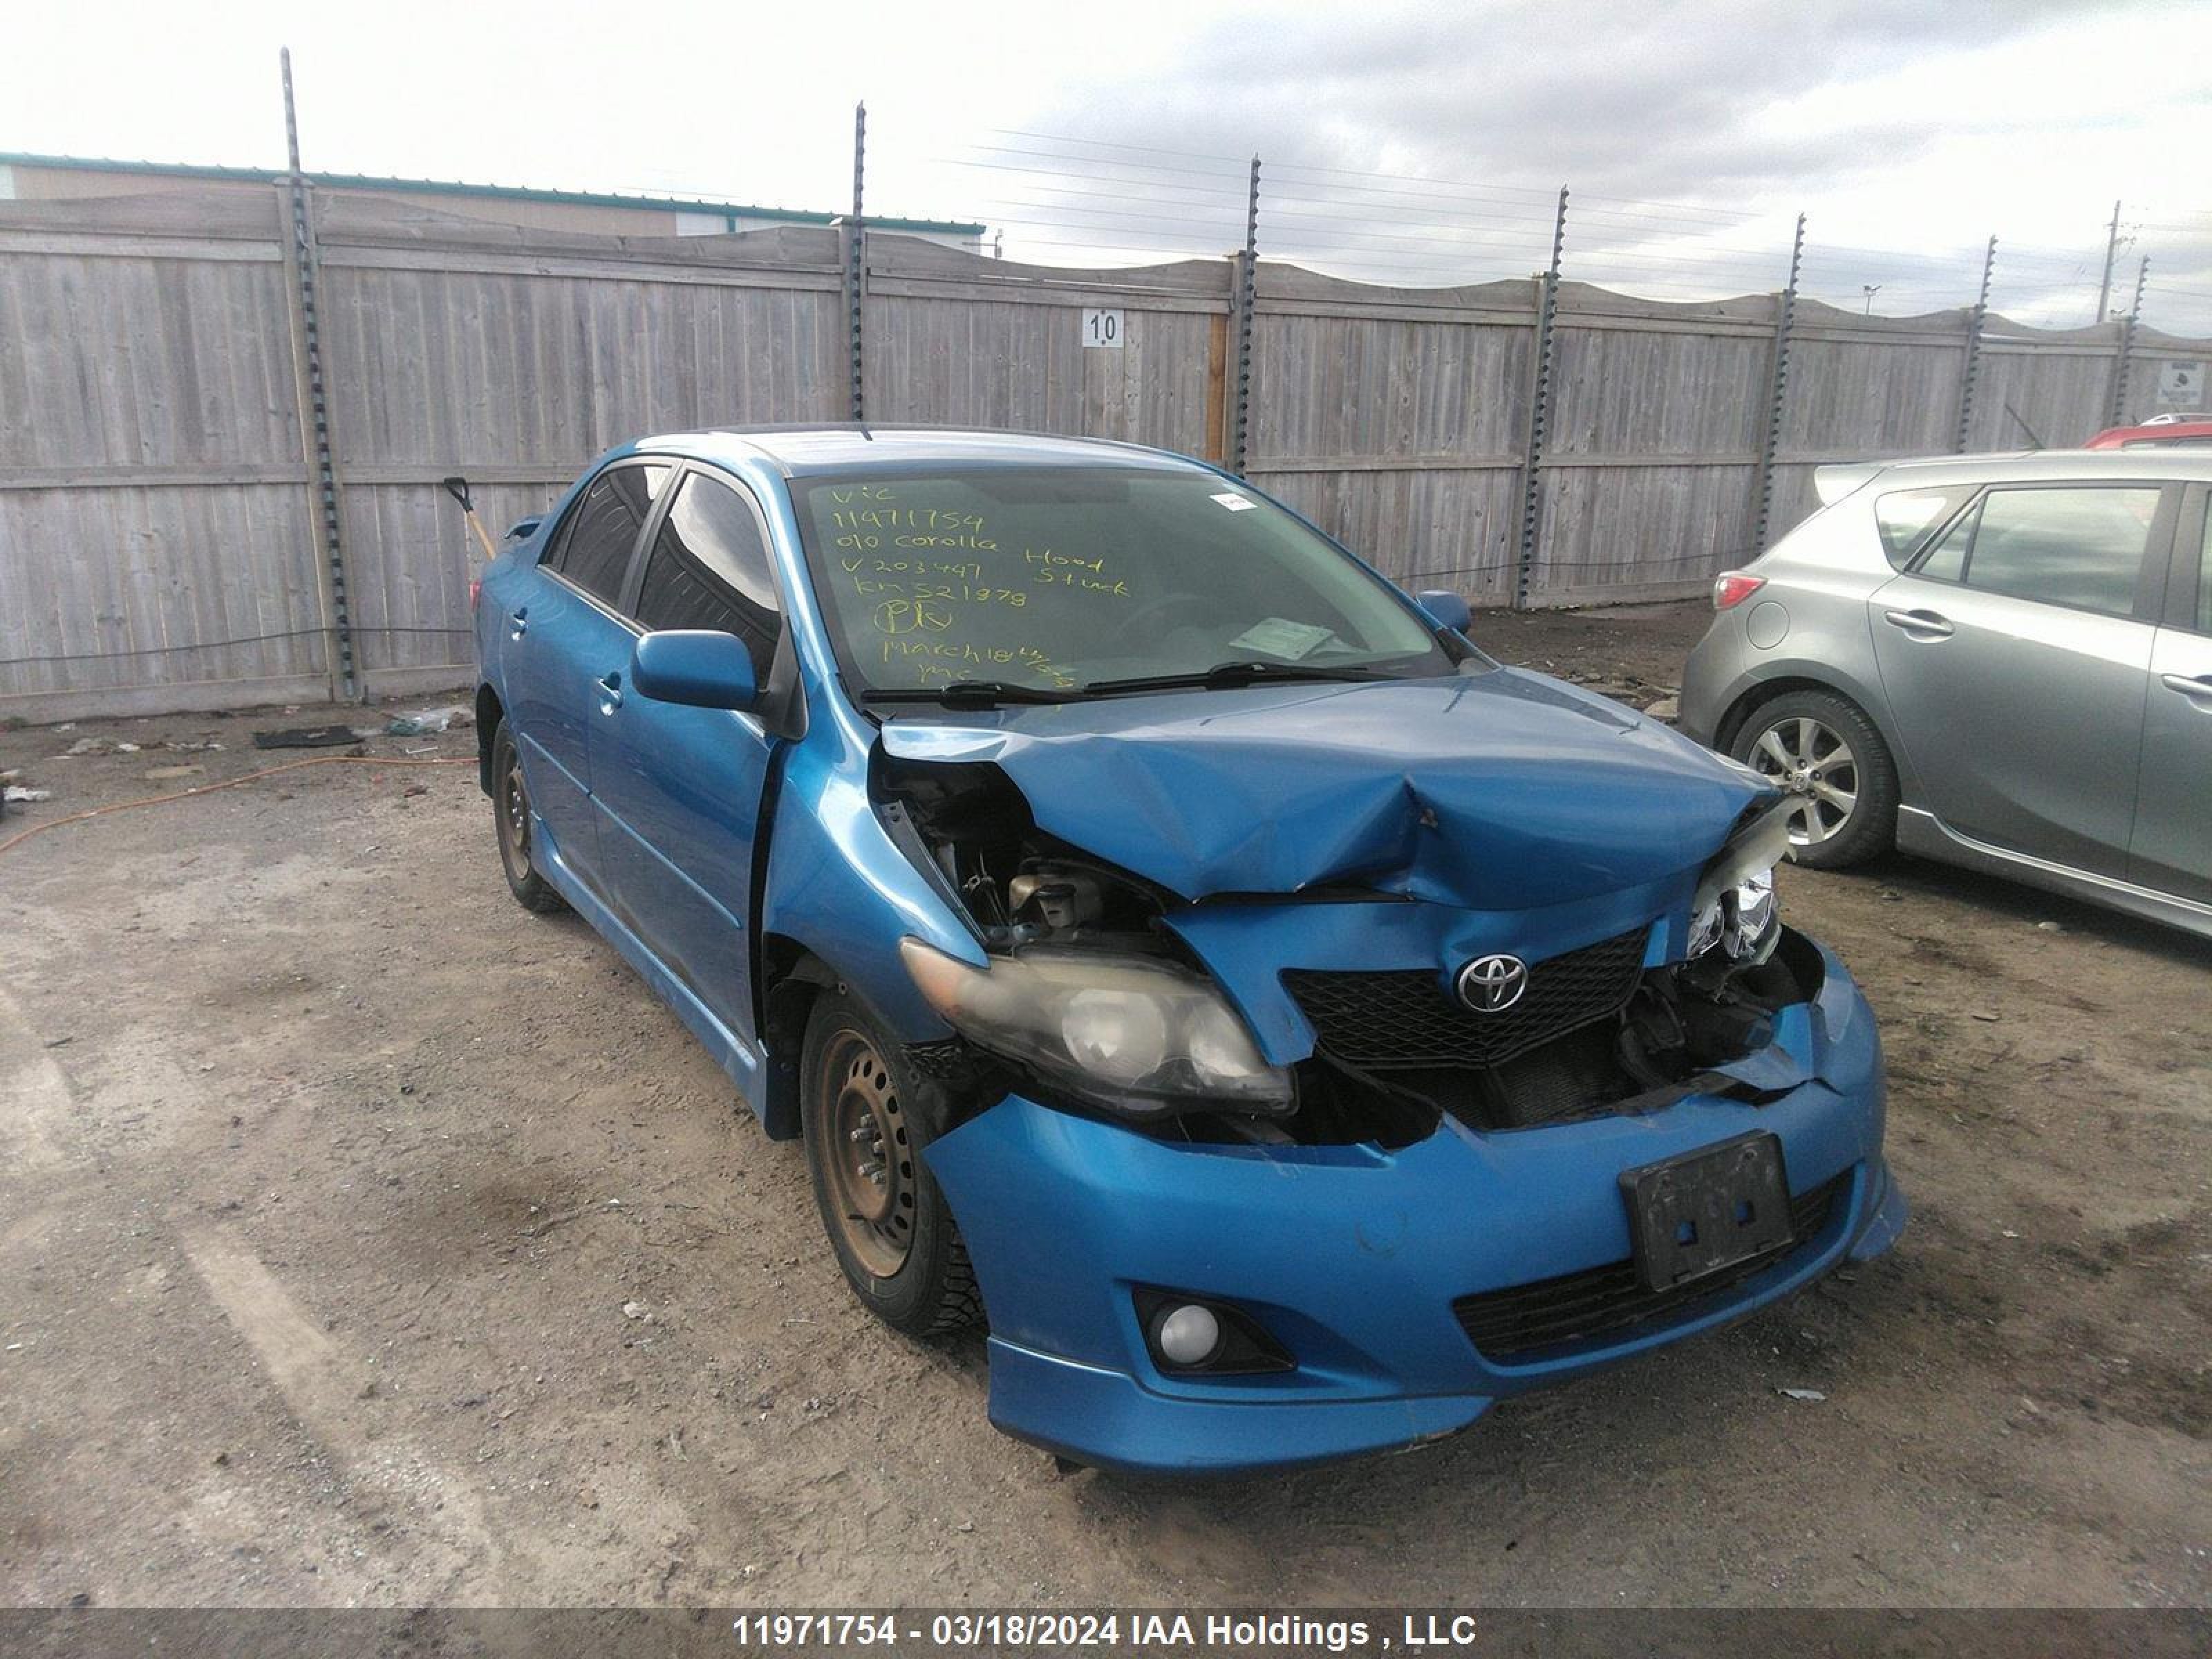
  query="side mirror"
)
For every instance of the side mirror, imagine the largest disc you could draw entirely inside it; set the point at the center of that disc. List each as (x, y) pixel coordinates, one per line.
(523, 529)
(1445, 608)
(697, 667)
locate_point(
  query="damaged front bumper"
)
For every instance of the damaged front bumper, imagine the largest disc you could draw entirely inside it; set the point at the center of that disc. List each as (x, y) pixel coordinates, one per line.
(1379, 1272)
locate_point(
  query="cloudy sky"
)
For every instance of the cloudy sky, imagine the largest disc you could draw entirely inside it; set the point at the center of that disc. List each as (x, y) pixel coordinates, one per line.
(1400, 141)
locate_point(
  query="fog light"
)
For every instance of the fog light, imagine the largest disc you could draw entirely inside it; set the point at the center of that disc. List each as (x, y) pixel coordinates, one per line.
(1188, 1335)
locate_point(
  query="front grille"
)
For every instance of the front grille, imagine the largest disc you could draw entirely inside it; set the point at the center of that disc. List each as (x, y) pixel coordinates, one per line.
(1405, 1017)
(1576, 1306)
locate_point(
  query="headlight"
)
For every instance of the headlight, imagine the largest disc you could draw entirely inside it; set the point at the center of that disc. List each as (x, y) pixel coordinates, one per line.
(1734, 906)
(1136, 1036)
(1741, 920)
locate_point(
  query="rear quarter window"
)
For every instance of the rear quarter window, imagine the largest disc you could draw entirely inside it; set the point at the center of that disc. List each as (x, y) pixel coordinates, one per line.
(1909, 519)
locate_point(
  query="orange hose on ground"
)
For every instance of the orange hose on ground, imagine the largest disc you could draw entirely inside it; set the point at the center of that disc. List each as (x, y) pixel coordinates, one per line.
(23, 835)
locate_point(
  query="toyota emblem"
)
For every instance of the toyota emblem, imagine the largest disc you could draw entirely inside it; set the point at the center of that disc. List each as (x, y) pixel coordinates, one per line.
(1490, 985)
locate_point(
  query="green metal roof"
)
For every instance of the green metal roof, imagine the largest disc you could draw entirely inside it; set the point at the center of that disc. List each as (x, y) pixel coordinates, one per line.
(732, 211)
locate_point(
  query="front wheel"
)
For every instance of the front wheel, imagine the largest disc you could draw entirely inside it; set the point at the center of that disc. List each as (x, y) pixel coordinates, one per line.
(1825, 755)
(887, 1219)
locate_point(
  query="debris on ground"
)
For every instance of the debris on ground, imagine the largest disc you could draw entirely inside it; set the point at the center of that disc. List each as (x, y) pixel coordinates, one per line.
(16, 794)
(84, 747)
(1667, 708)
(307, 737)
(1801, 1393)
(634, 1310)
(452, 718)
(163, 774)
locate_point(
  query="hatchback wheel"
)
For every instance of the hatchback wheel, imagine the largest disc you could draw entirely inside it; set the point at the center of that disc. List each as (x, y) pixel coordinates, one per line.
(1825, 755)
(510, 804)
(887, 1219)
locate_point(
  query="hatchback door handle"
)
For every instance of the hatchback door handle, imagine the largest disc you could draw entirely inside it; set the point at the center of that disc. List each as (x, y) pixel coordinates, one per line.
(518, 624)
(610, 694)
(1921, 624)
(2201, 687)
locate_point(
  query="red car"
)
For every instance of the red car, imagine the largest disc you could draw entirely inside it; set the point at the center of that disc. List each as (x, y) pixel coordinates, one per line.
(2159, 432)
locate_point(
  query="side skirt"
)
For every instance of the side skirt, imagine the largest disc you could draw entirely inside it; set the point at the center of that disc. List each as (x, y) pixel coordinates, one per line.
(1921, 832)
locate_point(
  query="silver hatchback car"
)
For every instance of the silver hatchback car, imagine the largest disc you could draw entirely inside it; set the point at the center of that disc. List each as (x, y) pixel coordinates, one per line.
(2003, 661)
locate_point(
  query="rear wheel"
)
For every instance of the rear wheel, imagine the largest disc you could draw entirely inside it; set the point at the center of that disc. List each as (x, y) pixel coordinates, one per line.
(510, 804)
(887, 1219)
(1825, 755)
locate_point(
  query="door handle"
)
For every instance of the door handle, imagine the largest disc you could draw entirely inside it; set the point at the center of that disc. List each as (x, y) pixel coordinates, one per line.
(518, 624)
(610, 694)
(1920, 624)
(2201, 687)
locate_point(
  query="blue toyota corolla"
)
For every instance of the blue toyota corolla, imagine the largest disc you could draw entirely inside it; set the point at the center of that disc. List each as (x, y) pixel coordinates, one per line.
(1291, 1029)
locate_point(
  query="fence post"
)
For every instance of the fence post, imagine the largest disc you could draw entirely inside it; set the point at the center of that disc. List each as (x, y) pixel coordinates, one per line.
(1247, 280)
(1974, 351)
(346, 682)
(1539, 405)
(1778, 392)
(855, 232)
(2118, 411)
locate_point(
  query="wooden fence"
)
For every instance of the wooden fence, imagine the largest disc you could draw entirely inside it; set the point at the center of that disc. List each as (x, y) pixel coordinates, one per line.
(162, 543)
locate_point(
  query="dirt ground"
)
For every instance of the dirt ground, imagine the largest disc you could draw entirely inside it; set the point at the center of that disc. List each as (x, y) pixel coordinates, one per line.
(366, 1239)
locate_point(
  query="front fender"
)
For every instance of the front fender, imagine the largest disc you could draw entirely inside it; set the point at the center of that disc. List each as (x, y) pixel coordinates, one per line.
(838, 885)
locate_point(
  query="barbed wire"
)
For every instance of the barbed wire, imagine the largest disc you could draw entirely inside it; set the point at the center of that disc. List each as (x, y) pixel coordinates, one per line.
(1065, 198)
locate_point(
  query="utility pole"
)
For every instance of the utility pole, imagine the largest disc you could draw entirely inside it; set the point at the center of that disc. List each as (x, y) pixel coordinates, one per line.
(1247, 279)
(1539, 409)
(855, 230)
(1975, 323)
(346, 681)
(2118, 412)
(1777, 389)
(2112, 252)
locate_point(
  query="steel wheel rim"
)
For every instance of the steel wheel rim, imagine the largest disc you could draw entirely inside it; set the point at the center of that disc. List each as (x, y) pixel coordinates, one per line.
(514, 817)
(867, 1157)
(1817, 768)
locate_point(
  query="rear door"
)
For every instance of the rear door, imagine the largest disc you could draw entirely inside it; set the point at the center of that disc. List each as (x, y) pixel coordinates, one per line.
(565, 640)
(679, 789)
(2172, 849)
(2015, 652)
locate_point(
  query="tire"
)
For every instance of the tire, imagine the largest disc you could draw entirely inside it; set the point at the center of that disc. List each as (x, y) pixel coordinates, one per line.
(510, 812)
(1819, 748)
(891, 1228)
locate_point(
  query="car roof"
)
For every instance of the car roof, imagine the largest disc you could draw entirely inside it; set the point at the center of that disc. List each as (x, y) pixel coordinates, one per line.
(856, 447)
(2039, 466)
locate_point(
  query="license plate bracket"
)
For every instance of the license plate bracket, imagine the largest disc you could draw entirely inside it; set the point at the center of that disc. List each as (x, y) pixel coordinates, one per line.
(1706, 1210)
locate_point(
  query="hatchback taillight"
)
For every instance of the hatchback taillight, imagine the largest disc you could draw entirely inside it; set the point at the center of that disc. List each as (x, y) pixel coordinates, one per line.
(1732, 587)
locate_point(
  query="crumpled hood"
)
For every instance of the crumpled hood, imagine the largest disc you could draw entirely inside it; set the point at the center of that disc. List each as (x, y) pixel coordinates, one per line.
(1497, 791)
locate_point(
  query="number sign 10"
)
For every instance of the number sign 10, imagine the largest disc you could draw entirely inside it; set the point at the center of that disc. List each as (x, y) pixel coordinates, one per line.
(1103, 329)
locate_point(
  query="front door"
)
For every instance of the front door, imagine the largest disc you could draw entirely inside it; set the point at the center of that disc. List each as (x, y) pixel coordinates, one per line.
(679, 789)
(2013, 656)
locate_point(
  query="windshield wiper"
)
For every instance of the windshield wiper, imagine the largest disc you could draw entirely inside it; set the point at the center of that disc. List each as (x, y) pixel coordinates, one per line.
(1226, 675)
(969, 693)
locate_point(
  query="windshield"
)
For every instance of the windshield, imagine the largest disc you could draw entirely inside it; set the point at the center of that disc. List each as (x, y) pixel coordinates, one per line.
(1053, 579)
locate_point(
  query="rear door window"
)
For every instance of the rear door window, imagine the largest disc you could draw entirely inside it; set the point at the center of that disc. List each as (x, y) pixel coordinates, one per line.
(2082, 548)
(709, 568)
(602, 530)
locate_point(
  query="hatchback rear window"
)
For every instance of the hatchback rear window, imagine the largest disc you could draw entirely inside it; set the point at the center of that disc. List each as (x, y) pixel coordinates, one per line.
(1909, 517)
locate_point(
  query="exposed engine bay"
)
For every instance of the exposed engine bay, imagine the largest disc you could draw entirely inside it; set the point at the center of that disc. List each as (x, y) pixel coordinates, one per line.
(1627, 1040)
